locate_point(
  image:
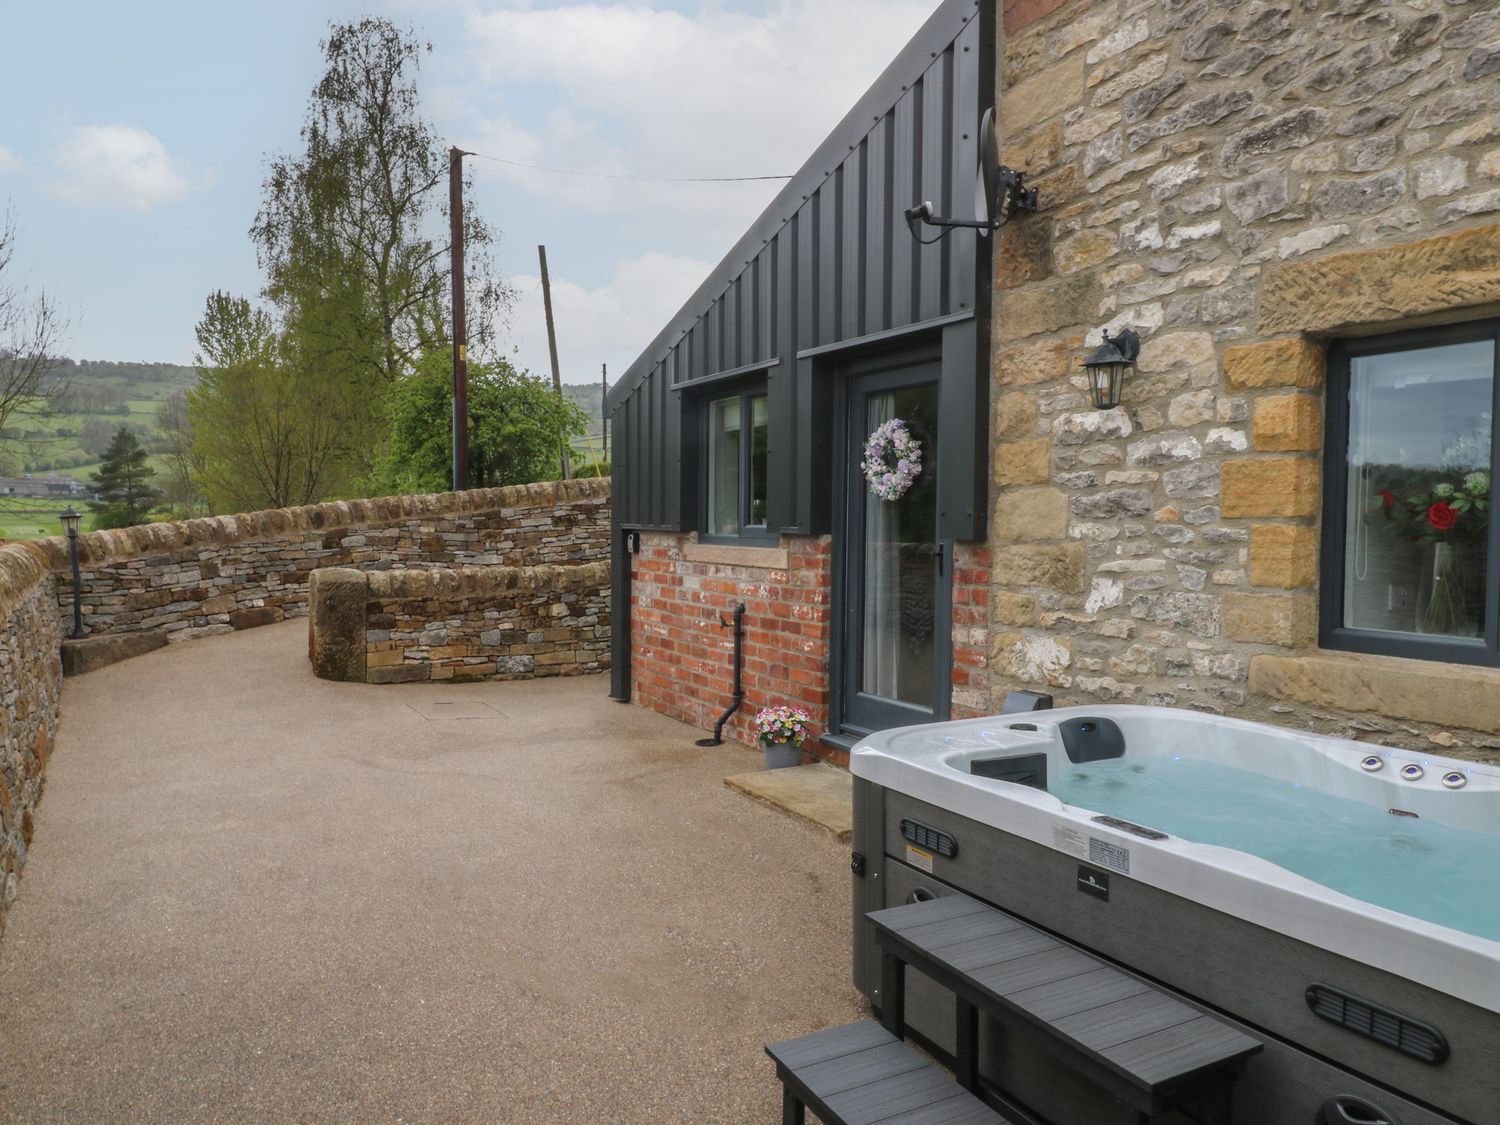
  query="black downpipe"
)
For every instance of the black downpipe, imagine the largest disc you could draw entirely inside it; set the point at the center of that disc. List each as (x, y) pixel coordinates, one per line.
(739, 673)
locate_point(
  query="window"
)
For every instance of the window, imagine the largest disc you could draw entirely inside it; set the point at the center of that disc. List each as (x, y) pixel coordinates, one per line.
(736, 457)
(1411, 562)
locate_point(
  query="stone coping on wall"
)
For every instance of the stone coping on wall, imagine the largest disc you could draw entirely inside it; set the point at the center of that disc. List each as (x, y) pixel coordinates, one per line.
(99, 547)
(482, 581)
(22, 566)
(1423, 691)
(459, 623)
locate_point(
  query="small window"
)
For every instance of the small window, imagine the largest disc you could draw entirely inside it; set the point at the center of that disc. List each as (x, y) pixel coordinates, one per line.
(1410, 551)
(736, 459)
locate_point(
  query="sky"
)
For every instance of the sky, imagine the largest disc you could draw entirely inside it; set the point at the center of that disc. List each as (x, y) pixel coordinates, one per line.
(134, 137)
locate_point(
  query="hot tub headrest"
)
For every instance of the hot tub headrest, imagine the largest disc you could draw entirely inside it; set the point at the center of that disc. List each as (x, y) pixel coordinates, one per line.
(1092, 740)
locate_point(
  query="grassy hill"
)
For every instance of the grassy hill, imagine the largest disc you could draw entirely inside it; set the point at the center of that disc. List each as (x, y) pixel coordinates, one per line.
(104, 395)
(101, 397)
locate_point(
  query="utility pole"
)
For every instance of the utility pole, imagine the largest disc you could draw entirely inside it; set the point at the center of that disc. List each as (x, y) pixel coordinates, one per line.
(552, 348)
(603, 417)
(460, 330)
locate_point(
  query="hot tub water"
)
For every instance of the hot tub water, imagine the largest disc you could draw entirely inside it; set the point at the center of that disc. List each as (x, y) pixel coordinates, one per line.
(1419, 867)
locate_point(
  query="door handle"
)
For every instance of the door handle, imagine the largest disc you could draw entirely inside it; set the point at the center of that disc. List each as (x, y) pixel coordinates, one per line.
(938, 553)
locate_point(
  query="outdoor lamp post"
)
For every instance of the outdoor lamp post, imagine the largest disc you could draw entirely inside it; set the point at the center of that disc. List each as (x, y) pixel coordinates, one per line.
(70, 520)
(1108, 365)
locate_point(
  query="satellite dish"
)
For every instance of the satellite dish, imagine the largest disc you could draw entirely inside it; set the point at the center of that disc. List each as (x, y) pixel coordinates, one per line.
(987, 178)
(999, 192)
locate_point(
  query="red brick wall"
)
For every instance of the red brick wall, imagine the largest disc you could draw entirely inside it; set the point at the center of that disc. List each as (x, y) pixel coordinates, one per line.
(971, 633)
(682, 661)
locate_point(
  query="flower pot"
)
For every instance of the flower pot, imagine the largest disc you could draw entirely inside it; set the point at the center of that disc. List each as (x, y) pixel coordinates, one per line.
(782, 755)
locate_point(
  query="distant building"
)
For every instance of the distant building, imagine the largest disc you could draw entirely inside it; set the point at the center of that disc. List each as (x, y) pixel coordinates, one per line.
(41, 488)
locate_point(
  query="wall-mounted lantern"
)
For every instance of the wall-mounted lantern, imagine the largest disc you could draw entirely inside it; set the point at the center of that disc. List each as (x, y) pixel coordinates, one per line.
(1108, 366)
(70, 520)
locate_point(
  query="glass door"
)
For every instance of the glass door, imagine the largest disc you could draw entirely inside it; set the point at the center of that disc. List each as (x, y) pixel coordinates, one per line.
(896, 636)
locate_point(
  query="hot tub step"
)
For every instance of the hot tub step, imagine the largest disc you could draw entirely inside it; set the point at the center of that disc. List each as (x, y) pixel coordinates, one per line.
(861, 1074)
(1150, 1050)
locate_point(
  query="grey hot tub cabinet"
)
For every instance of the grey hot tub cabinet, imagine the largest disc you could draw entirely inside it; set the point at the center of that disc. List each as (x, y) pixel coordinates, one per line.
(1253, 976)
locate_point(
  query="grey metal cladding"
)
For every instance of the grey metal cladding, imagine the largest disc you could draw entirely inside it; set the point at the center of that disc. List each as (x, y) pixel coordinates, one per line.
(829, 261)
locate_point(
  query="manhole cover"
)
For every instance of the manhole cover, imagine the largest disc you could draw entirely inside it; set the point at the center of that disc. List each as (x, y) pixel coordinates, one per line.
(441, 709)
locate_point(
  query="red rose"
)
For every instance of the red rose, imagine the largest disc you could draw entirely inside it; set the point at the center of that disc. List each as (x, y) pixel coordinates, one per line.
(1442, 516)
(1387, 499)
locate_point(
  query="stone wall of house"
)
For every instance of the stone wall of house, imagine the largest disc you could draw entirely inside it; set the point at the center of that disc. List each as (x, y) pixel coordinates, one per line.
(203, 577)
(1240, 182)
(30, 690)
(682, 656)
(466, 624)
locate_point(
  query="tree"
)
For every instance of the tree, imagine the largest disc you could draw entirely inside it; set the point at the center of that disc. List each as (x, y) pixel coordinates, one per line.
(30, 330)
(123, 484)
(96, 436)
(183, 490)
(266, 428)
(517, 424)
(345, 231)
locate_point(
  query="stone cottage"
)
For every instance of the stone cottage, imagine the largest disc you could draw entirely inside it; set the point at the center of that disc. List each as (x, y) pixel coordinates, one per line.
(1297, 208)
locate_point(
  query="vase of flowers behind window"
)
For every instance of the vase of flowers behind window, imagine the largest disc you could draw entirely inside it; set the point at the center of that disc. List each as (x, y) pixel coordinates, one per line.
(1448, 520)
(781, 731)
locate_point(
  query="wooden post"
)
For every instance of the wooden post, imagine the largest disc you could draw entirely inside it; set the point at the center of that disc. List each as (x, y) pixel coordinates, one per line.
(460, 330)
(552, 350)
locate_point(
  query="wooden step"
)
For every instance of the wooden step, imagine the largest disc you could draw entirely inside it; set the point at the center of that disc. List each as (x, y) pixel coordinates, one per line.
(861, 1074)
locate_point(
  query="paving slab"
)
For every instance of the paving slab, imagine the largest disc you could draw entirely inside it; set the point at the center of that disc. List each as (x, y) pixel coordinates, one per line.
(819, 793)
(255, 895)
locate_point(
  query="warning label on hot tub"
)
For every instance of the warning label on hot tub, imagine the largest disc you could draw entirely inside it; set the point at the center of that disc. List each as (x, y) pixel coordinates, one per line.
(1101, 853)
(919, 859)
(1070, 840)
(1112, 856)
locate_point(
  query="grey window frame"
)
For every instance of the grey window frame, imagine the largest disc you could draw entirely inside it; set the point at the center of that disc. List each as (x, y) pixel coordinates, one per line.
(759, 535)
(1332, 633)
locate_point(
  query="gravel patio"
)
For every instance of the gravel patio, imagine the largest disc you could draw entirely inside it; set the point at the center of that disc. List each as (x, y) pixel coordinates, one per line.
(255, 895)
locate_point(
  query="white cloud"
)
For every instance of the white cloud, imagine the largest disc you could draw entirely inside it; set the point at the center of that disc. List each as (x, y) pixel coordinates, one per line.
(9, 161)
(629, 89)
(611, 324)
(116, 166)
(649, 91)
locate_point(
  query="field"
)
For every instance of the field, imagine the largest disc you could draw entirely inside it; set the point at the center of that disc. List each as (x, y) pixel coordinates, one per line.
(17, 522)
(100, 398)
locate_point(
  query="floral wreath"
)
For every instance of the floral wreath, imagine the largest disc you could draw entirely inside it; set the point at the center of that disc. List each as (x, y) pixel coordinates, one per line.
(892, 460)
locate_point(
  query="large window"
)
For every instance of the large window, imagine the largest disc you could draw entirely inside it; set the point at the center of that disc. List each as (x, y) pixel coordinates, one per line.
(736, 459)
(1411, 559)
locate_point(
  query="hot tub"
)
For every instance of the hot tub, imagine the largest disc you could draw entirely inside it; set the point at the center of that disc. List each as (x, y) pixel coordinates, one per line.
(1339, 901)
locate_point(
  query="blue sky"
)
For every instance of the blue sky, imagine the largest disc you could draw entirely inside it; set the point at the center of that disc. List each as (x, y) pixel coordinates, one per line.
(133, 140)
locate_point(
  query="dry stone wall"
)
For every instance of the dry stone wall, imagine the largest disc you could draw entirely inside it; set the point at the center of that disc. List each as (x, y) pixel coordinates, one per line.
(465, 624)
(30, 690)
(209, 576)
(1241, 183)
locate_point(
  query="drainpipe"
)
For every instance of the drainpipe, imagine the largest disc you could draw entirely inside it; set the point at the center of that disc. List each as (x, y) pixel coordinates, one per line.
(739, 671)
